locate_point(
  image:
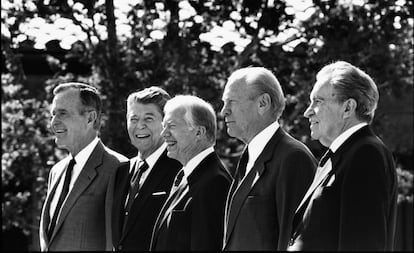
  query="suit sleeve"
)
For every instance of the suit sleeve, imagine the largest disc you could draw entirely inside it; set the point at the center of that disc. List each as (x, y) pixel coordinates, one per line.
(364, 201)
(208, 215)
(296, 175)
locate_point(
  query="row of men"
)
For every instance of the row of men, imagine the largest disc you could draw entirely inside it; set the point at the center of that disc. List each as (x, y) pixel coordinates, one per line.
(176, 194)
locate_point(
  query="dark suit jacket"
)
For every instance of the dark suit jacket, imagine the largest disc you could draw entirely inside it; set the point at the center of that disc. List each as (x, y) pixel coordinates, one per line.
(146, 206)
(196, 221)
(260, 213)
(355, 209)
(81, 226)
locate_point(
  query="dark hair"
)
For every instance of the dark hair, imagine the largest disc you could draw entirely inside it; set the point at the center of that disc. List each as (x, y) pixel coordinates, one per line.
(152, 95)
(89, 97)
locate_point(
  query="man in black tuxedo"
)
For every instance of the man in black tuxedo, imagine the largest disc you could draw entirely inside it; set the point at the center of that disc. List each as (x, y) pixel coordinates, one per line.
(192, 217)
(351, 204)
(142, 185)
(275, 169)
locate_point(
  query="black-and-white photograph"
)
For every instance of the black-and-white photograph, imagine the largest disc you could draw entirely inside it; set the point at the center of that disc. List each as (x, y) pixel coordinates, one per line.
(207, 125)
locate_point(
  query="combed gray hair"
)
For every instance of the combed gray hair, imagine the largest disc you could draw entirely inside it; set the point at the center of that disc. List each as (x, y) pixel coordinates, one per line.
(89, 97)
(351, 82)
(197, 113)
(260, 80)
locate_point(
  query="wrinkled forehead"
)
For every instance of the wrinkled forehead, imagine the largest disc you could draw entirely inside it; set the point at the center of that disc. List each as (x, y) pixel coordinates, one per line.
(321, 85)
(235, 88)
(68, 98)
(174, 114)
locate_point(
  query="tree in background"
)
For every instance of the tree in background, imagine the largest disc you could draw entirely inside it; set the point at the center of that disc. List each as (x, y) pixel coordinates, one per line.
(189, 47)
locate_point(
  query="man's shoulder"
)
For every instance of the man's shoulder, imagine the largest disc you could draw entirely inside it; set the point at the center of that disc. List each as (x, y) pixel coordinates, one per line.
(165, 160)
(112, 154)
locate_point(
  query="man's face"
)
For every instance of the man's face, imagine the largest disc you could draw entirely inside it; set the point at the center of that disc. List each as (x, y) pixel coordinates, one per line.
(179, 136)
(144, 124)
(70, 127)
(324, 114)
(239, 111)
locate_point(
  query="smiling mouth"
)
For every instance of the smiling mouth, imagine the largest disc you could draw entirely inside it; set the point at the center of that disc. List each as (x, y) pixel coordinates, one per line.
(59, 131)
(170, 143)
(142, 136)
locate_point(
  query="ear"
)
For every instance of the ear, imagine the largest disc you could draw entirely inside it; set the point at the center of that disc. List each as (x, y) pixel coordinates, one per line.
(265, 103)
(200, 131)
(349, 107)
(92, 116)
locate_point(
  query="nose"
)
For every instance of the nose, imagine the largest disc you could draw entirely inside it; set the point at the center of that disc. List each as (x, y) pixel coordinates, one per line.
(54, 120)
(141, 124)
(164, 132)
(225, 111)
(308, 112)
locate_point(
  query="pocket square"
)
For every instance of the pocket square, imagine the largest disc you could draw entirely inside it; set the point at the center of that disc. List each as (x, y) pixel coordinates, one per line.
(158, 193)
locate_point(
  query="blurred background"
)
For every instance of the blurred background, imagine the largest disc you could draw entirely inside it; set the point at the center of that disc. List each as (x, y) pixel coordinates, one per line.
(189, 47)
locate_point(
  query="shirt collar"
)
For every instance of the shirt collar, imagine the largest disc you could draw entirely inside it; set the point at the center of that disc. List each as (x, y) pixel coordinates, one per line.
(153, 158)
(82, 157)
(258, 143)
(195, 161)
(345, 135)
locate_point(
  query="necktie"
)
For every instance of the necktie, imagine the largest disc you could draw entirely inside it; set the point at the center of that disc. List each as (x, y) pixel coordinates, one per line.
(62, 197)
(325, 158)
(134, 184)
(241, 168)
(177, 180)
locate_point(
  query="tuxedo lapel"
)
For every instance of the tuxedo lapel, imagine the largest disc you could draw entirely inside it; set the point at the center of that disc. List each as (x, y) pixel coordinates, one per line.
(320, 175)
(86, 176)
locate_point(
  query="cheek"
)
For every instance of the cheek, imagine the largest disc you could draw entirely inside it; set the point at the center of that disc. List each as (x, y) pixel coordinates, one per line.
(156, 130)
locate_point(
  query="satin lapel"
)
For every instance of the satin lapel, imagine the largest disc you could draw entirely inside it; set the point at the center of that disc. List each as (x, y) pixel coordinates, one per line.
(86, 176)
(153, 180)
(121, 189)
(336, 158)
(316, 181)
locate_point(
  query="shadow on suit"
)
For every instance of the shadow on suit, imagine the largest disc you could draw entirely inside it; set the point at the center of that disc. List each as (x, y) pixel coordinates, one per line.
(355, 209)
(81, 225)
(146, 206)
(196, 220)
(260, 211)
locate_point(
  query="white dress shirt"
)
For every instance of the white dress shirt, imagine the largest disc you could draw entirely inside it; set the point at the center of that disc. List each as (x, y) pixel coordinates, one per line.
(194, 162)
(81, 158)
(151, 160)
(258, 143)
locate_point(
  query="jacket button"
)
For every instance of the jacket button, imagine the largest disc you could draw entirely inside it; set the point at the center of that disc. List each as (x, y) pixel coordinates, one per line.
(291, 241)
